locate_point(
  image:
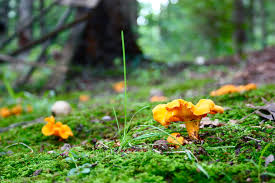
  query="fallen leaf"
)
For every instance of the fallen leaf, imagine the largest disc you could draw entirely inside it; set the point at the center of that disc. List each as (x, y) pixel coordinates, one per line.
(269, 126)
(65, 147)
(267, 111)
(269, 159)
(232, 121)
(37, 172)
(161, 145)
(207, 122)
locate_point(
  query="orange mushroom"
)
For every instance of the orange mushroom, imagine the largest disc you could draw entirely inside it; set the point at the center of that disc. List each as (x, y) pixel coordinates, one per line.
(5, 112)
(180, 110)
(48, 129)
(84, 98)
(119, 86)
(175, 139)
(158, 99)
(29, 109)
(226, 89)
(57, 129)
(17, 110)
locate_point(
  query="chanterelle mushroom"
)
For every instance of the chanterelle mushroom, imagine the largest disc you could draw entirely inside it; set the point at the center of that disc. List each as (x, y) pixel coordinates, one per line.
(181, 110)
(175, 139)
(226, 89)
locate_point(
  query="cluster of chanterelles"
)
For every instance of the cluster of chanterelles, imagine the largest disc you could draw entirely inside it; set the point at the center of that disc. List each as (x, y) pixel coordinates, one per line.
(181, 110)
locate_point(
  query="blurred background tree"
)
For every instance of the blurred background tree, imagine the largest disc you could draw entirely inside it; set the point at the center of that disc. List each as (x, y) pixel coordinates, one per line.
(185, 29)
(169, 31)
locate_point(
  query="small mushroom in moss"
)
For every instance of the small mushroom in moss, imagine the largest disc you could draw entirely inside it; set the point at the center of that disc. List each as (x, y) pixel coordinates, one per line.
(5, 112)
(226, 89)
(61, 108)
(158, 99)
(181, 110)
(84, 98)
(119, 87)
(175, 139)
(17, 110)
(57, 129)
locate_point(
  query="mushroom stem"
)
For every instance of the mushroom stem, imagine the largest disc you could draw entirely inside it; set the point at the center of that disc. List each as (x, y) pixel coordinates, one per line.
(193, 128)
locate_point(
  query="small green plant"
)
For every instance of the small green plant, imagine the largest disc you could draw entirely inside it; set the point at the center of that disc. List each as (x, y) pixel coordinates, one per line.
(74, 157)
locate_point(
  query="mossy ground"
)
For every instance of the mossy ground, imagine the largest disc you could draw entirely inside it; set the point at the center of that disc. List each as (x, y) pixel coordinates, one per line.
(226, 154)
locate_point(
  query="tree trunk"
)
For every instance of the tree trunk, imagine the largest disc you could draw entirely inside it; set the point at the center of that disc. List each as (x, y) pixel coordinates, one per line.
(25, 13)
(4, 9)
(239, 20)
(61, 72)
(101, 39)
(263, 23)
(251, 21)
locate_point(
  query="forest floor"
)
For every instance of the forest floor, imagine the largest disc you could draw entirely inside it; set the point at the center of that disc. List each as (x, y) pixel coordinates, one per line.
(237, 149)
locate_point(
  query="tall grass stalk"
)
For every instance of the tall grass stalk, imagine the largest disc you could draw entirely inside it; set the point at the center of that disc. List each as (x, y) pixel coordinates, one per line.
(125, 84)
(9, 88)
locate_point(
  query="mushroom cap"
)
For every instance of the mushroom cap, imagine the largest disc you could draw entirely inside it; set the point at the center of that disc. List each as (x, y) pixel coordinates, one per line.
(176, 139)
(61, 108)
(16, 110)
(226, 89)
(57, 129)
(119, 86)
(5, 112)
(84, 98)
(158, 98)
(181, 110)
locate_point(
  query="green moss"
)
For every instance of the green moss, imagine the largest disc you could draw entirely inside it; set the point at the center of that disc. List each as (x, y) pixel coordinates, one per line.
(226, 153)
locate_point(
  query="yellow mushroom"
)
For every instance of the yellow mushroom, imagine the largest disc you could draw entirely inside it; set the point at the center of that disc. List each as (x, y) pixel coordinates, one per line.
(226, 89)
(181, 110)
(175, 139)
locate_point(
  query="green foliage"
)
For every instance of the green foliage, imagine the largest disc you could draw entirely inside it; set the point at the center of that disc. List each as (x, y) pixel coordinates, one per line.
(186, 29)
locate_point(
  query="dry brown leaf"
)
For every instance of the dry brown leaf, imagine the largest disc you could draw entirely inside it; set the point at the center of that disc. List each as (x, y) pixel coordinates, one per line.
(267, 111)
(269, 159)
(207, 122)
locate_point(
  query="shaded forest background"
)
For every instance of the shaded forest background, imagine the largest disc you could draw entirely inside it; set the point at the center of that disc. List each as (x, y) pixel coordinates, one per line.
(47, 41)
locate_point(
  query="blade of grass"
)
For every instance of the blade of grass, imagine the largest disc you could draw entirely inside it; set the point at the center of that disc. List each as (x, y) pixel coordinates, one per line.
(118, 128)
(9, 88)
(260, 161)
(202, 170)
(125, 83)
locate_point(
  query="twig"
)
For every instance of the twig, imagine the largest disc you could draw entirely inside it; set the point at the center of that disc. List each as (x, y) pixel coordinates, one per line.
(241, 120)
(29, 23)
(253, 139)
(43, 52)
(156, 151)
(38, 120)
(19, 144)
(50, 35)
(12, 60)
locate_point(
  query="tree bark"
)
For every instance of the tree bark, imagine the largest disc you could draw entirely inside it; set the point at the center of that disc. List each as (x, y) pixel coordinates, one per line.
(263, 23)
(239, 20)
(60, 73)
(251, 20)
(4, 9)
(25, 13)
(101, 39)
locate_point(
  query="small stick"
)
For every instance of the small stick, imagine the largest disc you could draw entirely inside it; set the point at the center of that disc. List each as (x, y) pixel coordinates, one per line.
(38, 120)
(19, 144)
(13, 60)
(253, 139)
(50, 35)
(29, 23)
